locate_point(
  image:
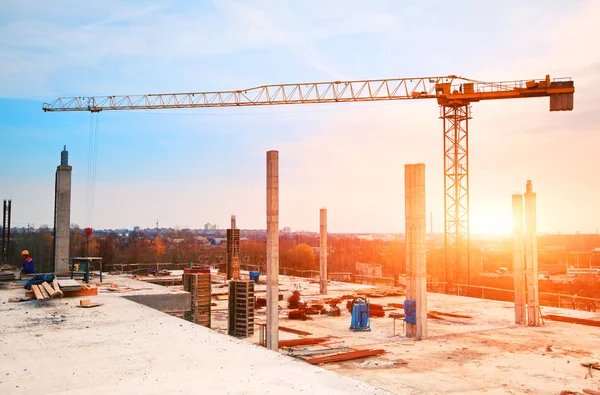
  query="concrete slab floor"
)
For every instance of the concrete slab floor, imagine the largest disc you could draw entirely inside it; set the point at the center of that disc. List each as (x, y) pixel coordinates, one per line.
(124, 347)
(485, 354)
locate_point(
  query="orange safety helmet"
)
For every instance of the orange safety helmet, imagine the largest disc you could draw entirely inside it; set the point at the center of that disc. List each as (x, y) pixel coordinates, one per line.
(25, 252)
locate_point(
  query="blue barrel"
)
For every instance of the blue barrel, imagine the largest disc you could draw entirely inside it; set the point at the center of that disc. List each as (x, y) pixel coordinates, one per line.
(254, 276)
(360, 315)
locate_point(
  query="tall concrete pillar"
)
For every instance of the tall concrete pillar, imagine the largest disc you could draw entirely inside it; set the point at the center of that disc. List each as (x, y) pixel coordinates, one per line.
(323, 252)
(519, 261)
(62, 213)
(416, 265)
(273, 250)
(531, 259)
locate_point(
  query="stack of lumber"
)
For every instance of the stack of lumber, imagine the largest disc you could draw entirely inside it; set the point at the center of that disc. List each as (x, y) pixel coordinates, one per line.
(70, 285)
(7, 276)
(381, 292)
(60, 288)
(46, 290)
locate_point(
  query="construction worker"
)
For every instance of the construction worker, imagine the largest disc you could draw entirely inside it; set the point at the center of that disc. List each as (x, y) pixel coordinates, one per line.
(28, 263)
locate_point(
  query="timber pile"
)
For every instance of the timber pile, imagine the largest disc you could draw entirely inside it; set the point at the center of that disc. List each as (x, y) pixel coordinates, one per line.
(46, 290)
(381, 292)
(7, 275)
(344, 356)
(70, 285)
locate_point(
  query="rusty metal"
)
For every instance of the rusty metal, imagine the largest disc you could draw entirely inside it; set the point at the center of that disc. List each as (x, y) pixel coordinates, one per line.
(572, 320)
(302, 342)
(295, 331)
(347, 356)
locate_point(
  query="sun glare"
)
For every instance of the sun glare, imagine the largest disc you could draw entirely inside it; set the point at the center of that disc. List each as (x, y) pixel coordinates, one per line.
(491, 222)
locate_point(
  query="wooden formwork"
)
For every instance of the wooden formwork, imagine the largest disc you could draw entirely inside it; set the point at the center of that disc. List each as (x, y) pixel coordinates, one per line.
(198, 285)
(241, 308)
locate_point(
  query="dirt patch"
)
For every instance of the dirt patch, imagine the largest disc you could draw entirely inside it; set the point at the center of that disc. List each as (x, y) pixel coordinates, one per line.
(454, 357)
(509, 346)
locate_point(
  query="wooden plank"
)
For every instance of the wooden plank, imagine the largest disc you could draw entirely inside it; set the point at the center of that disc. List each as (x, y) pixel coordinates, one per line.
(57, 287)
(44, 292)
(87, 306)
(64, 283)
(572, 320)
(295, 331)
(450, 314)
(51, 291)
(81, 292)
(84, 285)
(591, 392)
(302, 342)
(37, 292)
(346, 356)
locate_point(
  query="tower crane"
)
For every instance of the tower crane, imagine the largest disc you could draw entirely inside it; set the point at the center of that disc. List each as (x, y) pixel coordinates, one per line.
(454, 95)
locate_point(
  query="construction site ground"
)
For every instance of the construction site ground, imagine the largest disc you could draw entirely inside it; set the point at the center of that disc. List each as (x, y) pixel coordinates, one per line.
(53, 347)
(487, 353)
(124, 346)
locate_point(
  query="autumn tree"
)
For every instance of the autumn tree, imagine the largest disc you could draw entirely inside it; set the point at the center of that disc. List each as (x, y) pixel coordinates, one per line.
(159, 248)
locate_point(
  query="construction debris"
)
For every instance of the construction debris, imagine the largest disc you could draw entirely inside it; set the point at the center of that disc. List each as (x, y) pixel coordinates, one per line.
(87, 303)
(305, 352)
(302, 342)
(346, 356)
(376, 310)
(294, 301)
(381, 292)
(450, 314)
(572, 320)
(295, 331)
(69, 285)
(16, 300)
(45, 291)
(299, 314)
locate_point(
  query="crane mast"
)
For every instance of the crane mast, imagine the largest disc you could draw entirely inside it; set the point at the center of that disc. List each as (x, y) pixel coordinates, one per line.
(454, 95)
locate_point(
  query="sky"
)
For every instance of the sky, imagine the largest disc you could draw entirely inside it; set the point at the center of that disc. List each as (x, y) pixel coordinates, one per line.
(184, 168)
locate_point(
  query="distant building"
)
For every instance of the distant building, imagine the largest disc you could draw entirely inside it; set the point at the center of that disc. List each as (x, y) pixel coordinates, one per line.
(368, 269)
(217, 241)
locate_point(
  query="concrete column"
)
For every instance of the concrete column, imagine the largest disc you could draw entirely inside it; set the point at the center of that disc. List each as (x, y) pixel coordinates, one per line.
(62, 214)
(531, 259)
(519, 260)
(273, 250)
(323, 252)
(416, 265)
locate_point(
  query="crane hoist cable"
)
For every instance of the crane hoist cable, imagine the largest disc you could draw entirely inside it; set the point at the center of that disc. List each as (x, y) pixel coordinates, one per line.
(94, 131)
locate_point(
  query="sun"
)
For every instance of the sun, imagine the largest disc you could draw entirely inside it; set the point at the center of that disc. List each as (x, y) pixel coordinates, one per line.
(491, 222)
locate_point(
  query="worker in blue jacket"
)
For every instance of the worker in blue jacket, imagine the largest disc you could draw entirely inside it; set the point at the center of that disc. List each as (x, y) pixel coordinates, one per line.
(28, 263)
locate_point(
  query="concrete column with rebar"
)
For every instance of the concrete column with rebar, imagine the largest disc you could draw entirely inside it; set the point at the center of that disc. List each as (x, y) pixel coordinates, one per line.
(62, 214)
(323, 252)
(273, 250)
(416, 265)
(531, 259)
(519, 261)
